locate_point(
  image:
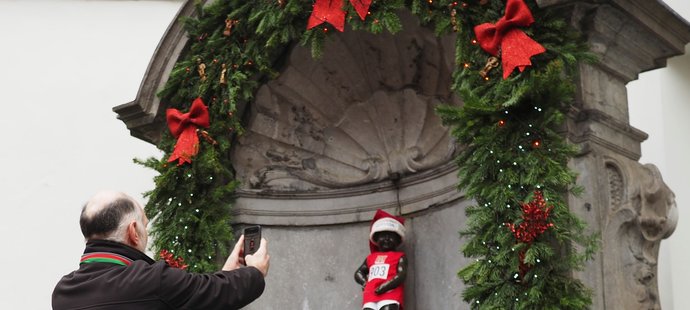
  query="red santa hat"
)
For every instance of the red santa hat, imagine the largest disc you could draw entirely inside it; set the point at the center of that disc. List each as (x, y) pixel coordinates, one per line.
(383, 221)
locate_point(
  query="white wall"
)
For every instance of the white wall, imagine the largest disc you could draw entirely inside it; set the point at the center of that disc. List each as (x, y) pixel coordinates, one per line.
(63, 66)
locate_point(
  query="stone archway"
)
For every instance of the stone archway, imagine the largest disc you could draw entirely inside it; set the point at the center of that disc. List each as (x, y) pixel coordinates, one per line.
(313, 170)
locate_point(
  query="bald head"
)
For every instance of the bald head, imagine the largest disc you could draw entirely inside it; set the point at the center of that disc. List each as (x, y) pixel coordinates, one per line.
(108, 213)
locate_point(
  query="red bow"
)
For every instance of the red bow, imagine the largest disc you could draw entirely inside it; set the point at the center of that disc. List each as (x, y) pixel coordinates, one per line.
(331, 11)
(516, 46)
(362, 7)
(183, 127)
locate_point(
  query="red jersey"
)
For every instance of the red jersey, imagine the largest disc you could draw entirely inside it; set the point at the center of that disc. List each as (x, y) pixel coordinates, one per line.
(383, 266)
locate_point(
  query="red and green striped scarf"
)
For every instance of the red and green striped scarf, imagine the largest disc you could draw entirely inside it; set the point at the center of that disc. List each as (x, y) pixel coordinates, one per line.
(105, 257)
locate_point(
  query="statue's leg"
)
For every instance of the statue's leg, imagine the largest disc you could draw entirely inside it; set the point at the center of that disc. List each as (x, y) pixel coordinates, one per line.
(391, 307)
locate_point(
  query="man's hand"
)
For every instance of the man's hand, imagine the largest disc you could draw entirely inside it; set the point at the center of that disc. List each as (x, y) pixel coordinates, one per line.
(260, 259)
(235, 259)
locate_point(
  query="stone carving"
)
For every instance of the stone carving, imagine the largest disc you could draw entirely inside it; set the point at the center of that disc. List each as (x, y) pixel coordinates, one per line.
(637, 224)
(615, 186)
(362, 113)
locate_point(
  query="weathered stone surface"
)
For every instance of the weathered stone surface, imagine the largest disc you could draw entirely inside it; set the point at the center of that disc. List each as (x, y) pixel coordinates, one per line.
(633, 210)
(630, 36)
(361, 113)
(641, 212)
(407, 195)
(626, 202)
(312, 267)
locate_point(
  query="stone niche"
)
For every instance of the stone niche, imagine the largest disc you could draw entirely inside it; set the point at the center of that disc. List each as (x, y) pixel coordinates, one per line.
(333, 139)
(361, 114)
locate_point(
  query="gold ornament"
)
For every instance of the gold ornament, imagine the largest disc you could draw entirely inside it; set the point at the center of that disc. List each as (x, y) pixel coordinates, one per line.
(454, 20)
(491, 63)
(207, 137)
(229, 23)
(223, 80)
(201, 69)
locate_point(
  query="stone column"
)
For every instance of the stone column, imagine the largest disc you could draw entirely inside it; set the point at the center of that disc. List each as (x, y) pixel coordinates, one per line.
(625, 201)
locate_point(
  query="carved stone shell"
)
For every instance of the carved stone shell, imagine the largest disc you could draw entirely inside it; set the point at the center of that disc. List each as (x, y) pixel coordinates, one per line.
(362, 113)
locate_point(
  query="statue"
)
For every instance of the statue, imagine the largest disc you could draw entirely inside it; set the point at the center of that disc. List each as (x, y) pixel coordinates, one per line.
(382, 275)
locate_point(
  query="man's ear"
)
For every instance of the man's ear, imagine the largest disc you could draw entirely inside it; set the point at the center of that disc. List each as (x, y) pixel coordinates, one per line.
(133, 237)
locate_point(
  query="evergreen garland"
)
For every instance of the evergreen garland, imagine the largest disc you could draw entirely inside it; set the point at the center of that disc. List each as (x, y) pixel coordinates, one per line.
(501, 163)
(513, 147)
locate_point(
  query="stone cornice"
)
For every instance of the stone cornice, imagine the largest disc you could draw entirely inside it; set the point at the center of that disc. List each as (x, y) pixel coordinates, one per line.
(610, 122)
(630, 36)
(412, 194)
(594, 126)
(142, 115)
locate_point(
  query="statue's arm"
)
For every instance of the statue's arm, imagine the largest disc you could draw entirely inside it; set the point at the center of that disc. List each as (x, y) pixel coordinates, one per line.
(361, 273)
(398, 279)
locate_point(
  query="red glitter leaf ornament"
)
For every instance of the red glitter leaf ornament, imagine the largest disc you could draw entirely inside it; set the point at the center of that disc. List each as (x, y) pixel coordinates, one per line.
(534, 220)
(516, 47)
(170, 259)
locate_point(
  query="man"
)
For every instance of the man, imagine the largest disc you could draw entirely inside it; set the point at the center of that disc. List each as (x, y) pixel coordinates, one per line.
(116, 274)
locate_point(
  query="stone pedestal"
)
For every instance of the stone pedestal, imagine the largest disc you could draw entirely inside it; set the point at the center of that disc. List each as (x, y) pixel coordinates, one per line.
(331, 140)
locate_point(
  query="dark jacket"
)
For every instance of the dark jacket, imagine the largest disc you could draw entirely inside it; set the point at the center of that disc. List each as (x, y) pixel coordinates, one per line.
(145, 284)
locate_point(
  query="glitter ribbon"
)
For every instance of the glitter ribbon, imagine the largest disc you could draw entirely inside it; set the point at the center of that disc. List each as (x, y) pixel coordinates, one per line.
(171, 260)
(515, 46)
(183, 126)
